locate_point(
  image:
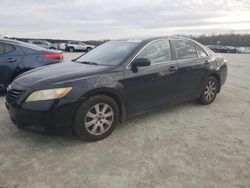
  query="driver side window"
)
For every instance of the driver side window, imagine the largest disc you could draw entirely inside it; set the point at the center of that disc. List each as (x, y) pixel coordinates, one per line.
(157, 52)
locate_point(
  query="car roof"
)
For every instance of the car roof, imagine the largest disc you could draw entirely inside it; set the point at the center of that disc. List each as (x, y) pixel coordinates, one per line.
(73, 41)
(38, 40)
(149, 39)
(8, 40)
(20, 43)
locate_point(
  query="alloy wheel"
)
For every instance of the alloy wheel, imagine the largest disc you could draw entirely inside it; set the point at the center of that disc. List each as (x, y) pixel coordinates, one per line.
(210, 91)
(99, 119)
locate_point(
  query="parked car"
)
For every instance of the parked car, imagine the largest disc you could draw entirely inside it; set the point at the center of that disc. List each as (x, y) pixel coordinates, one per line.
(243, 50)
(223, 49)
(73, 46)
(44, 44)
(114, 82)
(18, 57)
(214, 48)
(228, 49)
(62, 46)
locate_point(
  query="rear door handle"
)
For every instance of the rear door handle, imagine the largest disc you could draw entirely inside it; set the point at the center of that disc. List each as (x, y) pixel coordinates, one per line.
(10, 60)
(172, 69)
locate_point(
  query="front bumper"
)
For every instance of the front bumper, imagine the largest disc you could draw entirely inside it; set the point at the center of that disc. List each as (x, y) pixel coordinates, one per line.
(50, 114)
(50, 117)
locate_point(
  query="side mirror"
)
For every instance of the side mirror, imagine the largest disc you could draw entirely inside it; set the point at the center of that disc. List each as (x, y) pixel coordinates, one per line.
(141, 62)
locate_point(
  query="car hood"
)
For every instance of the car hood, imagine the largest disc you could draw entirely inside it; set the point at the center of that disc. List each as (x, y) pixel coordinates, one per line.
(58, 73)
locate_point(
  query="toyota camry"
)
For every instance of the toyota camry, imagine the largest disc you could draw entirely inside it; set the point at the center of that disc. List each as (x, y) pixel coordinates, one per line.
(113, 82)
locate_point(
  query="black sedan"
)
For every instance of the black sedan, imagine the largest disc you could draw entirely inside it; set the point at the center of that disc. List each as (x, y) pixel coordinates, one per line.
(18, 57)
(114, 82)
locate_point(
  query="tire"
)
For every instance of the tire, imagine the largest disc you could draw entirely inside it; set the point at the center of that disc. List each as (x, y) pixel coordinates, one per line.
(88, 49)
(88, 125)
(71, 49)
(209, 91)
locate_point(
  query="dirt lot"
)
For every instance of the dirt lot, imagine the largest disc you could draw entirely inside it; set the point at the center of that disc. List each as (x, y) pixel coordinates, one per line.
(183, 146)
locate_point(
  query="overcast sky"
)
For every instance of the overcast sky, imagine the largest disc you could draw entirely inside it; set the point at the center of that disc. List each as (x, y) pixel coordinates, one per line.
(109, 19)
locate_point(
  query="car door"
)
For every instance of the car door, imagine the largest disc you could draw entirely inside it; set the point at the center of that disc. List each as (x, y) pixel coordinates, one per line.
(10, 56)
(78, 46)
(192, 67)
(44, 44)
(83, 46)
(152, 85)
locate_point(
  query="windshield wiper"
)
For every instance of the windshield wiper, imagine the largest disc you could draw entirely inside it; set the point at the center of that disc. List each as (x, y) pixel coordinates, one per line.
(87, 62)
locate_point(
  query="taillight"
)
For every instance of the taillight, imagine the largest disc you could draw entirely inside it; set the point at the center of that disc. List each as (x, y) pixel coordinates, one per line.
(53, 56)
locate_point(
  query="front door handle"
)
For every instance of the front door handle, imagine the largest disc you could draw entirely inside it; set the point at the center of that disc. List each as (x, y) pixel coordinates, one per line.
(10, 60)
(172, 69)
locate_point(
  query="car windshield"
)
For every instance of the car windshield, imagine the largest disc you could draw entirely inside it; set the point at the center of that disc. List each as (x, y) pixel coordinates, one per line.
(109, 53)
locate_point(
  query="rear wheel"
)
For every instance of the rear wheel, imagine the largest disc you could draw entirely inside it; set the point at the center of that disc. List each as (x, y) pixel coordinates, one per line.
(88, 49)
(71, 49)
(96, 118)
(209, 91)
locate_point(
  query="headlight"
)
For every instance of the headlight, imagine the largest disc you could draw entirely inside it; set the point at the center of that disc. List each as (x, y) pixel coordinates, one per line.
(48, 94)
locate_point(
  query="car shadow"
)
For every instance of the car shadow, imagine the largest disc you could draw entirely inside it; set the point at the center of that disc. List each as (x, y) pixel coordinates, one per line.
(68, 135)
(158, 112)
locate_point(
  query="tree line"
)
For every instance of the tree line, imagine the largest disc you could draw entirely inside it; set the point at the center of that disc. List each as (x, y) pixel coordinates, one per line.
(237, 40)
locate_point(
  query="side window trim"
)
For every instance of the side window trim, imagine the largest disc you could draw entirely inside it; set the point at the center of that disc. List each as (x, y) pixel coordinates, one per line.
(171, 48)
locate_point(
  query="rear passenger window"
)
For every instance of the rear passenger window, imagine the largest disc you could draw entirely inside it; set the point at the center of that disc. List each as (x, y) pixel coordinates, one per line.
(201, 52)
(185, 49)
(157, 52)
(1, 48)
(6, 48)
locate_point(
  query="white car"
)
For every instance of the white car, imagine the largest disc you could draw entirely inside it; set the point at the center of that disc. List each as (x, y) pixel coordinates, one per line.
(62, 46)
(44, 44)
(73, 46)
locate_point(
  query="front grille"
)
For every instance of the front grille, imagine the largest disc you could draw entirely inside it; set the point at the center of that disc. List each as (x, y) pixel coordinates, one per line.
(13, 95)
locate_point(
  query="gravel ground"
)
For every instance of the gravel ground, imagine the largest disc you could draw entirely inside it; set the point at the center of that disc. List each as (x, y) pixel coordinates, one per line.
(183, 146)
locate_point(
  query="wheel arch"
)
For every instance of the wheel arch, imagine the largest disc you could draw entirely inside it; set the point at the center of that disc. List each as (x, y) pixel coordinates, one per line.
(217, 76)
(71, 47)
(109, 93)
(18, 71)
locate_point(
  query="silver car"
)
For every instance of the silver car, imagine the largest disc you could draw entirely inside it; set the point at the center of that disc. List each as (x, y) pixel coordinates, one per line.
(44, 44)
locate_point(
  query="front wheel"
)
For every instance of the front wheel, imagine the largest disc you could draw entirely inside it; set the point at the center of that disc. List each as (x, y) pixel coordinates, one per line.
(209, 91)
(71, 49)
(96, 118)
